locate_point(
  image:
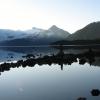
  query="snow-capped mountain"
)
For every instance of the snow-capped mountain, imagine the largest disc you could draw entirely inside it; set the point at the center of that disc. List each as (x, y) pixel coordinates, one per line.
(34, 36)
(47, 36)
(6, 34)
(55, 32)
(34, 30)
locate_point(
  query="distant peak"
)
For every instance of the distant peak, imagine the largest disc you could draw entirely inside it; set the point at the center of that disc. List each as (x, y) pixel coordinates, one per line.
(37, 29)
(34, 28)
(54, 27)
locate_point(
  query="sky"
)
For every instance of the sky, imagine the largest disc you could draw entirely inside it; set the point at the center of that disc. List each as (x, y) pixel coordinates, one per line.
(70, 15)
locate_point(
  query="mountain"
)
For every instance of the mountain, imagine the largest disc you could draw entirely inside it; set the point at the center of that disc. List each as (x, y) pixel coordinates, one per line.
(89, 32)
(54, 31)
(37, 36)
(34, 30)
(6, 34)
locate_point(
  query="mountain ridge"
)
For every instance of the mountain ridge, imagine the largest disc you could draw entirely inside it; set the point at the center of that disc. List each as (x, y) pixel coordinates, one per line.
(89, 32)
(38, 37)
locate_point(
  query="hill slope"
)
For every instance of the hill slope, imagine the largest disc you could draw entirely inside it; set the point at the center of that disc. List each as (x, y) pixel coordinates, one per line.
(89, 32)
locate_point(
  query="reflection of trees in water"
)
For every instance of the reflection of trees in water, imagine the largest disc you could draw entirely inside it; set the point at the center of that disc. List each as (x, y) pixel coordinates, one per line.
(94, 92)
(82, 98)
(88, 57)
(60, 58)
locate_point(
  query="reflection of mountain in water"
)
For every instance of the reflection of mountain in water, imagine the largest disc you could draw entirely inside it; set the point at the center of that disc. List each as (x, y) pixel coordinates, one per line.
(60, 58)
(16, 53)
(9, 55)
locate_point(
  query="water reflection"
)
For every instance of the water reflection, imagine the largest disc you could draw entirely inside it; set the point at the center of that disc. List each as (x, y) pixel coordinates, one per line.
(82, 98)
(60, 58)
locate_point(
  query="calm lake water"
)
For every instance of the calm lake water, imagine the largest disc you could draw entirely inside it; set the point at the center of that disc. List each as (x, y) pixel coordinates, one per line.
(49, 82)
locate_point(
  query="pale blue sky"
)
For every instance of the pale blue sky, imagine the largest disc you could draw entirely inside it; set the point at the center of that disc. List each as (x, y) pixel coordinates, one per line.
(70, 15)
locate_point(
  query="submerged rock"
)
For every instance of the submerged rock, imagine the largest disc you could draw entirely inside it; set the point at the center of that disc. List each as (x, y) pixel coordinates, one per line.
(95, 92)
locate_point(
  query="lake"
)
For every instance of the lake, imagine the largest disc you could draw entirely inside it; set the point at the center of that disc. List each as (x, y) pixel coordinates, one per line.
(52, 75)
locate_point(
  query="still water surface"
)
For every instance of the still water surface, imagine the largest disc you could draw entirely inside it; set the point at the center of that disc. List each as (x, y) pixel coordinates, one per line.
(50, 82)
